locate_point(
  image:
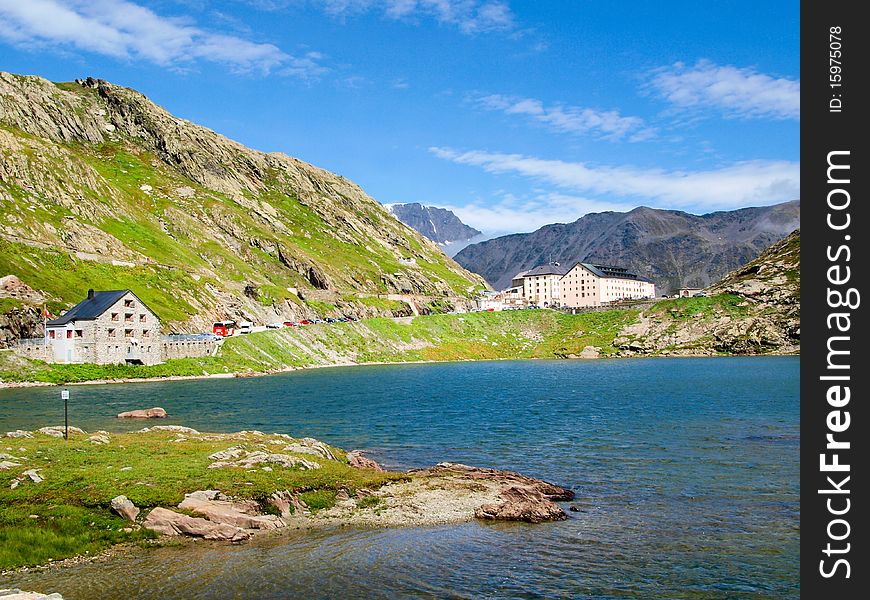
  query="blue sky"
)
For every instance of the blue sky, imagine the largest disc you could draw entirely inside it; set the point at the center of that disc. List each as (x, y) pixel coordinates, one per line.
(513, 114)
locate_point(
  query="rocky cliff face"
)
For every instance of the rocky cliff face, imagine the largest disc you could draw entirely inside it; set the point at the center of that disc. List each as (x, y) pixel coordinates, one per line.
(101, 188)
(673, 248)
(753, 310)
(437, 224)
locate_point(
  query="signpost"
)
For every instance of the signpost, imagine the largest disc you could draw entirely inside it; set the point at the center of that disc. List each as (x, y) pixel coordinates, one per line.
(64, 395)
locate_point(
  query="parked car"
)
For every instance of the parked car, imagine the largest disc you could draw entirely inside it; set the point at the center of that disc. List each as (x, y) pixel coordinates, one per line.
(331, 319)
(700, 295)
(273, 325)
(289, 323)
(306, 322)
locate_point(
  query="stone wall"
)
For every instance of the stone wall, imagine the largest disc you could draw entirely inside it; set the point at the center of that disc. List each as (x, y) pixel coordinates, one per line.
(174, 348)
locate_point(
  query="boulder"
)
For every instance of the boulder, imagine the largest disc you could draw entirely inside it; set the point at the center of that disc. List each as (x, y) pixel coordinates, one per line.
(311, 446)
(58, 431)
(8, 464)
(173, 428)
(284, 500)
(356, 460)
(18, 433)
(210, 504)
(521, 504)
(125, 508)
(146, 413)
(168, 522)
(99, 439)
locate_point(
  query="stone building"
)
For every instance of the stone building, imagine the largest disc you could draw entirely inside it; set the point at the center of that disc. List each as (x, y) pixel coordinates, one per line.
(106, 327)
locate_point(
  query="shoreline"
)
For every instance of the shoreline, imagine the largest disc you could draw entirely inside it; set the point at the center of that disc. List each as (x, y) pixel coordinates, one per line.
(243, 375)
(289, 484)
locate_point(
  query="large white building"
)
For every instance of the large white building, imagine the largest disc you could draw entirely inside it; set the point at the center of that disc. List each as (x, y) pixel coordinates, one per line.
(586, 284)
(539, 285)
(582, 285)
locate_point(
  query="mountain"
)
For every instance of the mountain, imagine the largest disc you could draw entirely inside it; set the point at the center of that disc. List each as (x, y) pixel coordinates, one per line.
(754, 309)
(673, 248)
(438, 224)
(101, 188)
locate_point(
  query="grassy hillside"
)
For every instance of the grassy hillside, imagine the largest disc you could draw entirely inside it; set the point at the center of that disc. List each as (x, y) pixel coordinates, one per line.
(473, 336)
(100, 188)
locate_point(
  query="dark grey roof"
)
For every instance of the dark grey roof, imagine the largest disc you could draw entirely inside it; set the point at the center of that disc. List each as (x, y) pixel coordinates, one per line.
(89, 308)
(545, 270)
(617, 272)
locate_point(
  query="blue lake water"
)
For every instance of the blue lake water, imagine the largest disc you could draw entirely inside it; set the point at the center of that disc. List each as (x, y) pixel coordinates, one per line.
(686, 472)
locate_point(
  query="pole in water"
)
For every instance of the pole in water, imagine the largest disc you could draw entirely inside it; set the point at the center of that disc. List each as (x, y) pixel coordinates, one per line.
(64, 394)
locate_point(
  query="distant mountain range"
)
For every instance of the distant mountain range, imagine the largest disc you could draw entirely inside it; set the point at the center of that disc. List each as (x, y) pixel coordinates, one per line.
(438, 224)
(673, 248)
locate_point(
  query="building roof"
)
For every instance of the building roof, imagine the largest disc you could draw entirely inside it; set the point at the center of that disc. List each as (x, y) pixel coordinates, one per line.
(614, 272)
(90, 308)
(544, 270)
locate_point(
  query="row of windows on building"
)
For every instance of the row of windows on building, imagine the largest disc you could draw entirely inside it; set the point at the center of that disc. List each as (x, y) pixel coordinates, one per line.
(128, 317)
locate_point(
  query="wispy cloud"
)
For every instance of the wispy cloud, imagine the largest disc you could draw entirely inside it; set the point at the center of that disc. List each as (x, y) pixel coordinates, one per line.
(737, 92)
(510, 214)
(469, 16)
(741, 184)
(125, 30)
(570, 119)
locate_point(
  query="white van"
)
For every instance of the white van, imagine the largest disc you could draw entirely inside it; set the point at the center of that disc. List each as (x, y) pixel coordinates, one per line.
(246, 327)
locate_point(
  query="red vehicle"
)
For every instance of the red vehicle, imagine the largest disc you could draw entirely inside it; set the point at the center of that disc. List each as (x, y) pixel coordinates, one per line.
(224, 328)
(305, 322)
(289, 323)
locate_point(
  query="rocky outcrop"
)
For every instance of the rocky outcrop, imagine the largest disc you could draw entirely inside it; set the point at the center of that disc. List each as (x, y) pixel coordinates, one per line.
(520, 498)
(241, 458)
(148, 413)
(521, 504)
(356, 459)
(753, 310)
(673, 248)
(217, 508)
(168, 522)
(20, 322)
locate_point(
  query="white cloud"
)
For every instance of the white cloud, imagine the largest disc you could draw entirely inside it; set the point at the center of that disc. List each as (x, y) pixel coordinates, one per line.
(737, 92)
(469, 16)
(570, 119)
(513, 215)
(125, 30)
(741, 184)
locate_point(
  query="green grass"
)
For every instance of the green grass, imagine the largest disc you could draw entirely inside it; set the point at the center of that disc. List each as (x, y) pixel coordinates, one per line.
(71, 504)
(439, 337)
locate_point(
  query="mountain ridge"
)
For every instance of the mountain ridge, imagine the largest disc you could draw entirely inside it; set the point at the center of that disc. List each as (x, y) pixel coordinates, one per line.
(672, 247)
(440, 225)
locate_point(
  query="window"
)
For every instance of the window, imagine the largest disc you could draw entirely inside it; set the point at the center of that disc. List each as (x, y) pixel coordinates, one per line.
(111, 332)
(69, 334)
(128, 333)
(146, 332)
(79, 333)
(128, 317)
(142, 318)
(114, 316)
(51, 334)
(128, 304)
